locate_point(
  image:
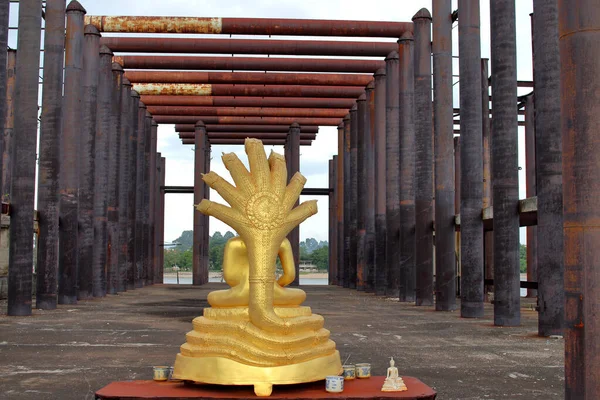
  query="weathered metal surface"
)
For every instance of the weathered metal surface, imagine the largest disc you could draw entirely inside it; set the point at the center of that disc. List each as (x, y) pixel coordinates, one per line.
(103, 128)
(184, 89)
(361, 194)
(423, 160)
(243, 135)
(4, 14)
(294, 235)
(247, 128)
(161, 218)
(549, 158)
(371, 188)
(407, 169)
(114, 160)
(251, 64)
(443, 148)
(199, 194)
(345, 275)
(488, 237)
(530, 190)
(392, 183)
(153, 268)
(139, 197)
(380, 183)
(353, 199)
(249, 78)
(332, 226)
(248, 46)
(23, 172)
(124, 183)
(87, 150)
(230, 101)
(578, 23)
(186, 119)
(9, 124)
(249, 111)
(145, 189)
(249, 26)
(270, 142)
(68, 261)
(339, 197)
(131, 190)
(471, 168)
(505, 164)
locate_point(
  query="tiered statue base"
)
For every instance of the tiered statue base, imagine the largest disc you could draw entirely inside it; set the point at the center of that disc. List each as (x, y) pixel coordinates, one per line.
(357, 389)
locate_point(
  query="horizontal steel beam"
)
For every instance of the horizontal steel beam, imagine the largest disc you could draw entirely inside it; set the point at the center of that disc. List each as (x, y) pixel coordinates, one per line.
(247, 101)
(190, 189)
(269, 142)
(246, 128)
(250, 63)
(248, 46)
(527, 215)
(185, 89)
(249, 78)
(249, 26)
(249, 111)
(192, 119)
(244, 135)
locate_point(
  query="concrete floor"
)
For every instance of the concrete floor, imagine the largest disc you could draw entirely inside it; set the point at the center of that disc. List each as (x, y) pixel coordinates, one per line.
(71, 352)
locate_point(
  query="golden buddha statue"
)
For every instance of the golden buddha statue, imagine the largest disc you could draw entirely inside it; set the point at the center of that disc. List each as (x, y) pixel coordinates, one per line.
(257, 333)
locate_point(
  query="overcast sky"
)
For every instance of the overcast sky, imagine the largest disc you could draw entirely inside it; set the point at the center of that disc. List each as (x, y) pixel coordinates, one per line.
(314, 159)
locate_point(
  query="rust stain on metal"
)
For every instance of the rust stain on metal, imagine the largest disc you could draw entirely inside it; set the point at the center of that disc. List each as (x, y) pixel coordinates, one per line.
(179, 89)
(129, 24)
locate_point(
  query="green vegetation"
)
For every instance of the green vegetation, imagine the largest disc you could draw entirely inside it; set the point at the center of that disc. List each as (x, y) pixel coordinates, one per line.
(523, 258)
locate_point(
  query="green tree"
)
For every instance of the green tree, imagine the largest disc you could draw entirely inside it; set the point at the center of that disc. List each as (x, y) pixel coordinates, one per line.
(523, 258)
(320, 258)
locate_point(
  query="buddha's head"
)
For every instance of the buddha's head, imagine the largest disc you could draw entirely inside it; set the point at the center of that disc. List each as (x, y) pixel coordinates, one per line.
(392, 363)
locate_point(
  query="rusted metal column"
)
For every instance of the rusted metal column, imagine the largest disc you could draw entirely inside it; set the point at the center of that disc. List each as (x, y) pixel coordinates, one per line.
(392, 183)
(530, 190)
(146, 271)
(505, 164)
(331, 224)
(339, 207)
(353, 199)
(131, 189)
(139, 197)
(23, 173)
(471, 167)
(69, 157)
(103, 128)
(423, 160)
(407, 169)
(124, 183)
(158, 217)
(488, 236)
(87, 148)
(371, 189)
(457, 237)
(4, 14)
(381, 270)
(580, 96)
(361, 195)
(161, 231)
(199, 194)
(549, 161)
(8, 126)
(345, 275)
(151, 202)
(114, 158)
(49, 156)
(294, 236)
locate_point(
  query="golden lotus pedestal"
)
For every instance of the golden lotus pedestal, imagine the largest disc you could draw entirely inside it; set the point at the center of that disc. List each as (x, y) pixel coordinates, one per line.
(226, 349)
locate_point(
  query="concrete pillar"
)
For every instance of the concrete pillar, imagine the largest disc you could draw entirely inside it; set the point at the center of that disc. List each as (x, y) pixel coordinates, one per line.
(423, 160)
(471, 169)
(530, 190)
(345, 276)
(49, 156)
(407, 169)
(139, 197)
(445, 258)
(392, 184)
(198, 269)
(339, 198)
(361, 192)
(87, 149)
(579, 34)
(353, 199)
(124, 183)
(549, 154)
(294, 235)
(23, 172)
(131, 189)
(103, 128)
(379, 165)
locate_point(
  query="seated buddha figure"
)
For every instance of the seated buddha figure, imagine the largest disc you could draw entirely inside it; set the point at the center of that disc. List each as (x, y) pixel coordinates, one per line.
(393, 382)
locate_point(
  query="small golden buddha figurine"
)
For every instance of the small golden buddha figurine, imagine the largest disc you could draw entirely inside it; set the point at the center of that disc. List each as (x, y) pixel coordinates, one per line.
(393, 382)
(257, 333)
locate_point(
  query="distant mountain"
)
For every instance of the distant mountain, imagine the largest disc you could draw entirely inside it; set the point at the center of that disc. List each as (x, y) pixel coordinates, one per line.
(185, 241)
(310, 244)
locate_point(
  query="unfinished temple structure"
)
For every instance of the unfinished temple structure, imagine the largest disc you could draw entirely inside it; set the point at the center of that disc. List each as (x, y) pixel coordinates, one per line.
(423, 197)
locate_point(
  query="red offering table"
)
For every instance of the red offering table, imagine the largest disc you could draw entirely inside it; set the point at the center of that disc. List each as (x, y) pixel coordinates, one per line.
(353, 390)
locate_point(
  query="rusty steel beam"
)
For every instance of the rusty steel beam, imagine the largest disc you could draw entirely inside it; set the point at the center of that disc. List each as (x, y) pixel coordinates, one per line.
(199, 194)
(488, 237)
(353, 198)
(269, 142)
(187, 119)
(345, 274)
(87, 149)
(131, 199)
(471, 167)
(249, 26)
(161, 218)
(187, 89)
(139, 197)
(362, 189)
(250, 64)
(4, 19)
(243, 135)
(247, 128)
(332, 222)
(248, 78)
(23, 173)
(443, 147)
(339, 197)
(68, 263)
(9, 124)
(423, 160)
(152, 268)
(294, 167)
(549, 168)
(380, 183)
(124, 183)
(146, 270)
(371, 189)
(247, 101)
(248, 46)
(530, 190)
(249, 111)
